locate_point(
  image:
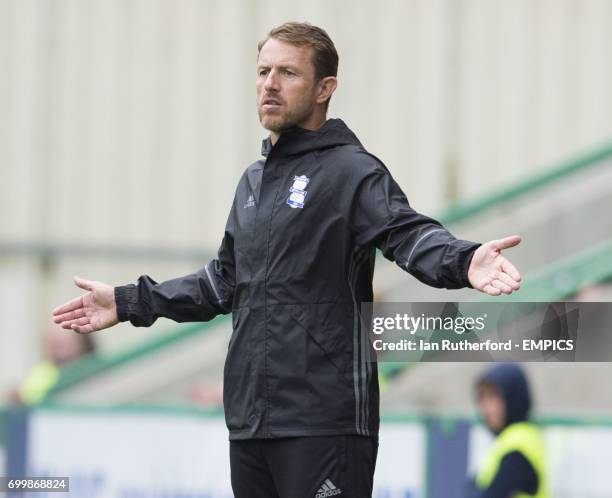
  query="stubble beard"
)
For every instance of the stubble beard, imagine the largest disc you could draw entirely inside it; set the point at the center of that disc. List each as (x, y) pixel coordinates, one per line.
(287, 120)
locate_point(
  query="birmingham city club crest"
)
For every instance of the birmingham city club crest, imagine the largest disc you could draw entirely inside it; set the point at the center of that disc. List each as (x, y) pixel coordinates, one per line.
(298, 192)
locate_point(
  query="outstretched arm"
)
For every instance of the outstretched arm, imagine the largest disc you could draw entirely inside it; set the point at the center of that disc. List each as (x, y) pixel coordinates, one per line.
(199, 296)
(420, 244)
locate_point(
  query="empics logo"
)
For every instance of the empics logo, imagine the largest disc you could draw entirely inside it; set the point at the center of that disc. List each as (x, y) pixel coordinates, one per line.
(298, 192)
(327, 489)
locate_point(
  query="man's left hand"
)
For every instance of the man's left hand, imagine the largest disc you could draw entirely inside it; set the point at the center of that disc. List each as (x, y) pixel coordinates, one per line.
(490, 272)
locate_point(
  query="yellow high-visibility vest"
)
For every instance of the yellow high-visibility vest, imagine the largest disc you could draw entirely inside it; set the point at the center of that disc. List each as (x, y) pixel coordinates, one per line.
(525, 438)
(39, 382)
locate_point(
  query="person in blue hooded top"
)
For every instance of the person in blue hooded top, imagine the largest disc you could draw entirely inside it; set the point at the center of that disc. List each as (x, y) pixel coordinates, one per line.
(515, 465)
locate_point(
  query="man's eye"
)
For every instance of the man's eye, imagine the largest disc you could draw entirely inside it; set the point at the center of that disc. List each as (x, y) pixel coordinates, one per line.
(262, 72)
(289, 72)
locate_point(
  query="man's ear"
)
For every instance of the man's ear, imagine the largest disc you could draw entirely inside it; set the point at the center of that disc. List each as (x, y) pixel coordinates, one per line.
(325, 88)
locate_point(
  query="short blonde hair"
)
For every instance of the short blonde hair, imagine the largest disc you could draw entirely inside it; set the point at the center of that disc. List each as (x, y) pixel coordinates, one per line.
(324, 54)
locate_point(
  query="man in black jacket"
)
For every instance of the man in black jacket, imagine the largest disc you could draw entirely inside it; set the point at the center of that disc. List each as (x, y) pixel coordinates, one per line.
(296, 260)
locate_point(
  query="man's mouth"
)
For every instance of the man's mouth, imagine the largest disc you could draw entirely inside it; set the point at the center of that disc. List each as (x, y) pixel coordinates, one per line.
(270, 103)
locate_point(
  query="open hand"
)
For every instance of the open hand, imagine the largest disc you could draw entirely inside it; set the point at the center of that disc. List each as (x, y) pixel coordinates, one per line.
(492, 273)
(93, 311)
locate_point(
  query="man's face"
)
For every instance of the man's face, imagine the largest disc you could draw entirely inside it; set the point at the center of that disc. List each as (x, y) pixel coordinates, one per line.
(285, 85)
(492, 406)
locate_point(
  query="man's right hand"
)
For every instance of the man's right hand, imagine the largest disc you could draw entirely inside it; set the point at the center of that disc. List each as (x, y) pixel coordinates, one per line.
(90, 312)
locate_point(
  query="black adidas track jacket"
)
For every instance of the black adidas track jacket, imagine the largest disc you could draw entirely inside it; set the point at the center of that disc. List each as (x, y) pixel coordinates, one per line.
(296, 261)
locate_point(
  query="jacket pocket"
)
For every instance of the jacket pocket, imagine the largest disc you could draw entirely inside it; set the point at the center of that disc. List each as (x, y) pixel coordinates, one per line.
(308, 364)
(328, 326)
(235, 324)
(241, 382)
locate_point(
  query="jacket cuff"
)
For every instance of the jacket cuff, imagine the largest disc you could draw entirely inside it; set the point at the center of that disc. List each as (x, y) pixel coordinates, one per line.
(467, 256)
(126, 297)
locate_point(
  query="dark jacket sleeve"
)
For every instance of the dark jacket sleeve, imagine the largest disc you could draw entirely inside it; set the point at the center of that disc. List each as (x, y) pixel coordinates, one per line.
(417, 243)
(197, 297)
(515, 475)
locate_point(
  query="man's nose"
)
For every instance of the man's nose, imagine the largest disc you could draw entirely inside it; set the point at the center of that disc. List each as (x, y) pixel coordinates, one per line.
(271, 83)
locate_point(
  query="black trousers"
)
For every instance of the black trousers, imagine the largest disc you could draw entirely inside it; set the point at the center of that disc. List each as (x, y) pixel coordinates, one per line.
(304, 467)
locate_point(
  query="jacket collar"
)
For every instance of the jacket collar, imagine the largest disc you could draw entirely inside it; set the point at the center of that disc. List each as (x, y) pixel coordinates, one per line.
(296, 140)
